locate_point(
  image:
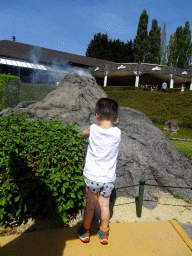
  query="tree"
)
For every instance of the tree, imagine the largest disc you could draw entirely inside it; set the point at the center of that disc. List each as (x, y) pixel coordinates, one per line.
(141, 41)
(187, 44)
(98, 47)
(112, 50)
(128, 56)
(116, 51)
(180, 47)
(180, 42)
(120, 52)
(172, 51)
(154, 43)
(163, 53)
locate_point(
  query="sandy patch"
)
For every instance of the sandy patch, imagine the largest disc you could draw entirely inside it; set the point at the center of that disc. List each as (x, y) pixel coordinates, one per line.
(168, 208)
(124, 210)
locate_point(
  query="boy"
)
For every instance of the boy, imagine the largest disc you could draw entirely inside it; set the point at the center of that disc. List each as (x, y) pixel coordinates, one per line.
(100, 167)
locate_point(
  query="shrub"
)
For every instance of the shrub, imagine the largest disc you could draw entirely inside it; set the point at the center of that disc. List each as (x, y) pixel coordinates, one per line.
(124, 88)
(41, 165)
(173, 90)
(9, 90)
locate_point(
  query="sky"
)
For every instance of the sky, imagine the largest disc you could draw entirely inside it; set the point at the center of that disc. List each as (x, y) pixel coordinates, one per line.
(69, 26)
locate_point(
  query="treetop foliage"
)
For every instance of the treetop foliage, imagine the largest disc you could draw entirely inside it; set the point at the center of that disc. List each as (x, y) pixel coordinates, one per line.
(141, 41)
(146, 47)
(180, 47)
(163, 48)
(102, 47)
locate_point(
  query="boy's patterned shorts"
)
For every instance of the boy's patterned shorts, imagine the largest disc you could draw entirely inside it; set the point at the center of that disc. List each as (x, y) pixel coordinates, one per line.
(105, 189)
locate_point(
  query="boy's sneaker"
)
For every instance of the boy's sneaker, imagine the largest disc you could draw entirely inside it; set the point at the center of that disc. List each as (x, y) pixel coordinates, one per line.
(103, 236)
(83, 234)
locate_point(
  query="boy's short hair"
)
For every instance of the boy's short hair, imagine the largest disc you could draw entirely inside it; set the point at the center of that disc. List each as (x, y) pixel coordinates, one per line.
(107, 109)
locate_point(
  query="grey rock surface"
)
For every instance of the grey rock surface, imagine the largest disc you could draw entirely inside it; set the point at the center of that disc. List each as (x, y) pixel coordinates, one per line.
(144, 152)
(73, 99)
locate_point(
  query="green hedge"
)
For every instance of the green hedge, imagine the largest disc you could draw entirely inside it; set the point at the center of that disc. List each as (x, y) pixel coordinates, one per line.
(173, 90)
(10, 87)
(41, 164)
(125, 88)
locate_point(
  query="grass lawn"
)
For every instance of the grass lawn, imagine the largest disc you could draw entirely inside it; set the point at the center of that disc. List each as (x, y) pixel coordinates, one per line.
(160, 107)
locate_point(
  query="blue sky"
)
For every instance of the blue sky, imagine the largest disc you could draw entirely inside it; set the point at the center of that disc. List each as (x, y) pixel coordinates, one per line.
(69, 26)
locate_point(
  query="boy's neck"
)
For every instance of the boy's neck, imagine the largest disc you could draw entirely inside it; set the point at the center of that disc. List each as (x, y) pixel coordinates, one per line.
(105, 124)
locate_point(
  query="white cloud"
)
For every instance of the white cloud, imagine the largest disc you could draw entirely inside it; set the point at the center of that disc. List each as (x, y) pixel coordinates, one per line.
(112, 23)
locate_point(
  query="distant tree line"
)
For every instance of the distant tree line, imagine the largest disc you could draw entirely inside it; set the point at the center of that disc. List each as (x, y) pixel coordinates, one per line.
(147, 47)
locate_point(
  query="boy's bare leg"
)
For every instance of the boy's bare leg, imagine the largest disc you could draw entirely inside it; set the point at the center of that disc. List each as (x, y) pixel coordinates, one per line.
(91, 199)
(105, 212)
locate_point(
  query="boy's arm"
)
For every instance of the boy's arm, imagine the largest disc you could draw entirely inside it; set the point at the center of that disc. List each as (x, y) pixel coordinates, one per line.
(86, 133)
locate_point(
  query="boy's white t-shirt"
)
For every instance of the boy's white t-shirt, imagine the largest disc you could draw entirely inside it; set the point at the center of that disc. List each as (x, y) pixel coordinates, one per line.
(101, 158)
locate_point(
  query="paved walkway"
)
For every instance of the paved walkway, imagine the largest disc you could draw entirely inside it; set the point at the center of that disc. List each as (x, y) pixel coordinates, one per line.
(134, 238)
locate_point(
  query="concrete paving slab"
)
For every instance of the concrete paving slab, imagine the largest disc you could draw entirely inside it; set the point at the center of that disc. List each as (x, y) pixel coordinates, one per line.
(133, 238)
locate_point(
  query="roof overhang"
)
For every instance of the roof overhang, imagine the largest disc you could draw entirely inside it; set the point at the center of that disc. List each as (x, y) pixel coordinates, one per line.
(124, 70)
(24, 64)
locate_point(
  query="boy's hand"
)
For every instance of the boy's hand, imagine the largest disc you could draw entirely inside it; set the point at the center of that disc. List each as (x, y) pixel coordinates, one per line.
(86, 133)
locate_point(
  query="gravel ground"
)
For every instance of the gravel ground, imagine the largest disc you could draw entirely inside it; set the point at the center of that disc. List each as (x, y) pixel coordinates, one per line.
(125, 211)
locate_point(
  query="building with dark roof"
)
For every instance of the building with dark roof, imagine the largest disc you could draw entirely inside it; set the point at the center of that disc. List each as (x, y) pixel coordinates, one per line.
(42, 65)
(26, 61)
(142, 74)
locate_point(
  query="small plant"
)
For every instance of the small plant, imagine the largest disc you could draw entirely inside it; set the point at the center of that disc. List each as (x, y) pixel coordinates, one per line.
(178, 197)
(187, 201)
(156, 198)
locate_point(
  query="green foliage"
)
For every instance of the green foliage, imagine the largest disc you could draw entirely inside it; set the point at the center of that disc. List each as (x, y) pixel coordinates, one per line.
(183, 133)
(157, 106)
(187, 44)
(154, 43)
(41, 164)
(112, 50)
(128, 52)
(120, 52)
(124, 88)
(172, 50)
(163, 48)
(27, 92)
(148, 48)
(184, 147)
(35, 92)
(97, 47)
(9, 90)
(173, 90)
(141, 42)
(180, 47)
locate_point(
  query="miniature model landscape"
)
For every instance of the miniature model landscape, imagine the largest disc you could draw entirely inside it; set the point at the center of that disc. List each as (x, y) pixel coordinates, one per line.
(144, 153)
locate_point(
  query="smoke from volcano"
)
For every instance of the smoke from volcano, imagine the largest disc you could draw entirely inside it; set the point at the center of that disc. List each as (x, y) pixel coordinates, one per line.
(58, 68)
